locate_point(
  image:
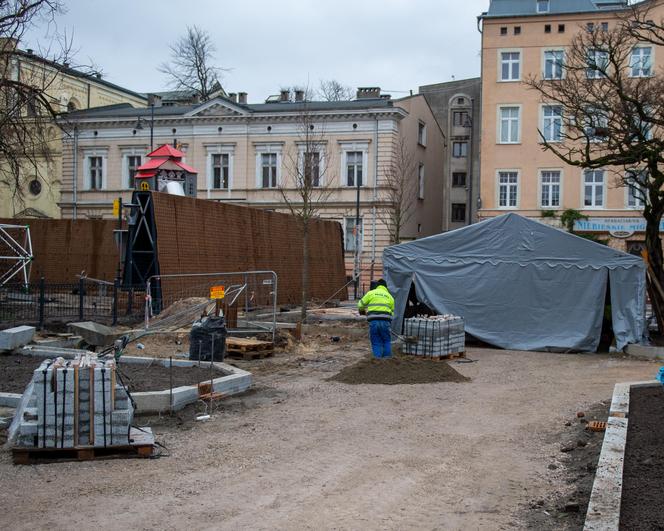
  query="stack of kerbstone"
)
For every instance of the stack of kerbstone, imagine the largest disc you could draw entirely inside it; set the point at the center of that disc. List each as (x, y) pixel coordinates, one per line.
(76, 403)
(435, 336)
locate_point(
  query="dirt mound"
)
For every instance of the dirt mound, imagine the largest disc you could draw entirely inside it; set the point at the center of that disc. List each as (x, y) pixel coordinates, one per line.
(398, 370)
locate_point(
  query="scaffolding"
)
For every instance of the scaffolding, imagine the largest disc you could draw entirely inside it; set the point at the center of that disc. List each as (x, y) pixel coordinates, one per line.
(15, 252)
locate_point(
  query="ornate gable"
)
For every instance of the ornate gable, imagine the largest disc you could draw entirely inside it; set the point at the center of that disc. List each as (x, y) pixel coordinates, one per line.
(218, 107)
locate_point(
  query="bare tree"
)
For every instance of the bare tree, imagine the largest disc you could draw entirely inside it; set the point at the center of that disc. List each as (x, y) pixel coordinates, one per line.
(610, 104)
(27, 110)
(333, 90)
(192, 64)
(400, 190)
(307, 186)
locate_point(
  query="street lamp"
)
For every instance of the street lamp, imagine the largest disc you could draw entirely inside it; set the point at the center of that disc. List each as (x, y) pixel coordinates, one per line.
(139, 123)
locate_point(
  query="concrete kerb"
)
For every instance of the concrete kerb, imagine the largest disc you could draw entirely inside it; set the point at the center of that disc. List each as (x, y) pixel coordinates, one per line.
(233, 382)
(604, 506)
(645, 351)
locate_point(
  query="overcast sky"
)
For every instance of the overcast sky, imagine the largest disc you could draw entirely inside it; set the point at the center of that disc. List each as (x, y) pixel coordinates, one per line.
(395, 44)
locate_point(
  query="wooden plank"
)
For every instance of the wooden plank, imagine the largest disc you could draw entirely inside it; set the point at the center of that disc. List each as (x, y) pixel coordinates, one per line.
(247, 344)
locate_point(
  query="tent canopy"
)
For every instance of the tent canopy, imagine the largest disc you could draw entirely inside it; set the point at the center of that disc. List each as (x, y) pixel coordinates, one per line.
(521, 284)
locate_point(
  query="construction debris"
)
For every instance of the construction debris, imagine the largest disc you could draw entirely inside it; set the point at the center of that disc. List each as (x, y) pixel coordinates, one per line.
(18, 336)
(435, 336)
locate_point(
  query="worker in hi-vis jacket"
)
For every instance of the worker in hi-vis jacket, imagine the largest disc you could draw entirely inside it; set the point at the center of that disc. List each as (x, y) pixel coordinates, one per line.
(378, 305)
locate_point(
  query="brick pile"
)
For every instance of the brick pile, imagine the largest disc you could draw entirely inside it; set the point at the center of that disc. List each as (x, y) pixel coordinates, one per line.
(435, 336)
(76, 403)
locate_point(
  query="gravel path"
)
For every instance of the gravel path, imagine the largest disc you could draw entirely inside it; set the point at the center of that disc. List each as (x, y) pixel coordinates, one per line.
(301, 452)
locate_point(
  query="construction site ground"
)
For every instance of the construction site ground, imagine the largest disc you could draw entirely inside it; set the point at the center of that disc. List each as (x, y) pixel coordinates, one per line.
(502, 450)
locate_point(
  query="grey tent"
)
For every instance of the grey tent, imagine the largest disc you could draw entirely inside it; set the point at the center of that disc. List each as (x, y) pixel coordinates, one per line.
(521, 284)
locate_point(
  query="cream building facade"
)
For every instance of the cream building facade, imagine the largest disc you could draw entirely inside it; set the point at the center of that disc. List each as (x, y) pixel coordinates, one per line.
(244, 153)
(523, 38)
(68, 89)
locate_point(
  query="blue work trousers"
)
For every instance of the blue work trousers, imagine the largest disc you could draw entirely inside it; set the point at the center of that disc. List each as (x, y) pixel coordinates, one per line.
(379, 332)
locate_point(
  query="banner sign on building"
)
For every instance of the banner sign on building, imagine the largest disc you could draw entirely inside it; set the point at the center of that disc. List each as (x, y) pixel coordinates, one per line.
(617, 225)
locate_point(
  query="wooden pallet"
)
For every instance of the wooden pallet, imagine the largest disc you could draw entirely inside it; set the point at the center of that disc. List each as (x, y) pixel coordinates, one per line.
(142, 445)
(248, 349)
(596, 425)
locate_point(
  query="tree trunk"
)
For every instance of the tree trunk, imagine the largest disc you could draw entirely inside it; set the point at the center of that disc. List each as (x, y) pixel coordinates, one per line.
(653, 217)
(305, 269)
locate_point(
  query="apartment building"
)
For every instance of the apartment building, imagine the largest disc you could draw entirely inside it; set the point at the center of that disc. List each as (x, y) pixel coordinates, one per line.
(523, 38)
(245, 153)
(456, 106)
(68, 89)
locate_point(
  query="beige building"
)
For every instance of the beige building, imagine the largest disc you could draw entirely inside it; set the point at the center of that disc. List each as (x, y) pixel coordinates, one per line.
(523, 38)
(245, 153)
(68, 90)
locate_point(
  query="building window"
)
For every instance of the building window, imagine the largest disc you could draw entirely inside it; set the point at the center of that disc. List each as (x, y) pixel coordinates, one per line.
(552, 123)
(553, 64)
(354, 168)
(460, 119)
(351, 234)
(561, 28)
(269, 170)
(605, 26)
(640, 62)
(311, 168)
(133, 162)
(542, 6)
(503, 30)
(593, 188)
(550, 192)
(96, 173)
(420, 181)
(508, 189)
(590, 27)
(597, 123)
(509, 125)
(636, 189)
(547, 28)
(221, 171)
(517, 30)
(421, 134)
(510, 66)
(459, 149)
(459, 178)
(458, 212)
(598, 63)
(461, 101)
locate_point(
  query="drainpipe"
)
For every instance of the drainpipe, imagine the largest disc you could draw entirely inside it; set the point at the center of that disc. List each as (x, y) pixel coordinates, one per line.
(375, 197)
(471, 154)
(75, 170)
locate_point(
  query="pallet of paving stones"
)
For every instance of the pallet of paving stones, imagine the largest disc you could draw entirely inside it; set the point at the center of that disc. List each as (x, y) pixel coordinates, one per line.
(436, 337)
(141, 444)
(248, 349)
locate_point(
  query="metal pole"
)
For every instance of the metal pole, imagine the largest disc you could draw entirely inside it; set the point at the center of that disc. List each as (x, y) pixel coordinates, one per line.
(274, 307)
(81, 288)
(41, 302)
(116, 283)
(119, 237)
(356, 266)
(170, 378)
(152, 127)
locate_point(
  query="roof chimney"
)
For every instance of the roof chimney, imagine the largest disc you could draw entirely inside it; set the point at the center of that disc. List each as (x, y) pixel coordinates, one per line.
(284, 95)
(299, 95)
(364, 93)
(232, 96)
(242, 97)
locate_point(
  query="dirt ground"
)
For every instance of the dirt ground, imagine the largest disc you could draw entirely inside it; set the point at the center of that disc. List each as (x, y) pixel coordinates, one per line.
(504, 450)
(17, 371)
(643, 474)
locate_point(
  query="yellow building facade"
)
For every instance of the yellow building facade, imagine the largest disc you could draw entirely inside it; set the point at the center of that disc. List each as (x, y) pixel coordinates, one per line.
(68, 90)
(522, 39)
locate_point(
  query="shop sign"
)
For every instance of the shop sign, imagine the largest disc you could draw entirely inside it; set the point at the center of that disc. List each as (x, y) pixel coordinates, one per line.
(622, 227)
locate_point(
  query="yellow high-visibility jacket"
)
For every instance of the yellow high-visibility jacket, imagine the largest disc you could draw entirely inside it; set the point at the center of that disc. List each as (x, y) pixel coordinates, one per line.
(378, 303)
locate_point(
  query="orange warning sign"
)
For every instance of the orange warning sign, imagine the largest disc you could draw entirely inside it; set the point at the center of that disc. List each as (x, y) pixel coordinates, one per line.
(217, 292)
